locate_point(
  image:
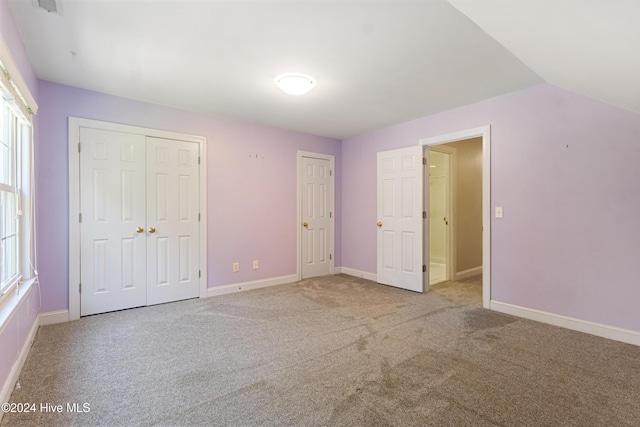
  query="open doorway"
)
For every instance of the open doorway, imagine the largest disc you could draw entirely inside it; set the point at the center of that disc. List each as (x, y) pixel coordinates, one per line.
(457, 238)
(455, 191)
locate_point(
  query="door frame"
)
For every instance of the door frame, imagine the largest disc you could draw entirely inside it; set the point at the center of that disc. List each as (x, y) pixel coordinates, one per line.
(485, 133)
(75, 124)
(332, 219)
(451, 258)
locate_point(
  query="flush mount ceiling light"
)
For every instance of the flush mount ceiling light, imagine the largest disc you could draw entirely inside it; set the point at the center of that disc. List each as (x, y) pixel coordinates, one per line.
(295, 83)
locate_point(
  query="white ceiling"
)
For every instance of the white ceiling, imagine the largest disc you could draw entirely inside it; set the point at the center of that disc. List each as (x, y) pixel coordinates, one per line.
(587, 46)
(377, 63)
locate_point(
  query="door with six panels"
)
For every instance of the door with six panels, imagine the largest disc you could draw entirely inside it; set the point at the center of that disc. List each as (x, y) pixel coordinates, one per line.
(139, 200)
(316, 217)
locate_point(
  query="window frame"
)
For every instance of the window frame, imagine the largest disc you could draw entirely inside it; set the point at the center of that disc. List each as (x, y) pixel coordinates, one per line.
(17, 130)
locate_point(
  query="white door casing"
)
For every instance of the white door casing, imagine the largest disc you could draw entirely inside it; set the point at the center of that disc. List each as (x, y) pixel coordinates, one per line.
(400, 223)
(197, 253)
(172, 220)
(112, 188)
(485, 133)
(316, 212)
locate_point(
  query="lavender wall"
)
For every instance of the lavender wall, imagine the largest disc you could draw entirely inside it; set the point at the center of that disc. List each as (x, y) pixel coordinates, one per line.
(13, 40)
(565, 169)
(251, 201)
(13, 334)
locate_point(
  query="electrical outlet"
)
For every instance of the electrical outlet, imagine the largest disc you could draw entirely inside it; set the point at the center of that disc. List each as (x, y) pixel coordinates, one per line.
(256, 264)
(236, 267)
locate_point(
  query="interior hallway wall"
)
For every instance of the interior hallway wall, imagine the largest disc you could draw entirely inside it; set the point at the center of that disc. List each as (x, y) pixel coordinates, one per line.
(468, 201)
(565, 168)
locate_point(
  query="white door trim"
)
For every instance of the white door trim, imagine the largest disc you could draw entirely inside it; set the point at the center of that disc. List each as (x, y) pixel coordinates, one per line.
(485, 133)
(332, 190)
(75, 124)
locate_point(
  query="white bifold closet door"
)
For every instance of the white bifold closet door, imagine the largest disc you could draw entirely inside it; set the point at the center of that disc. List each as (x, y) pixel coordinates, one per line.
(139, 220)
(172, 210)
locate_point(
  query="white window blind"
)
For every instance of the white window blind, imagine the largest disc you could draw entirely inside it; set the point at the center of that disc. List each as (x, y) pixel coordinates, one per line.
(13, 83)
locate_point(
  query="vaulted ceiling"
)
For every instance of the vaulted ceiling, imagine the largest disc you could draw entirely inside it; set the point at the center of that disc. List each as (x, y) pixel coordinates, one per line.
(376, 63)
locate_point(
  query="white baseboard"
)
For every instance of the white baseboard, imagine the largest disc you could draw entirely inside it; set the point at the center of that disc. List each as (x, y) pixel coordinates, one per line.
(48, 318)
(611, 332)
(465, 274)
(53, 317)
(12, 379)
(247, 286)
(357, 273)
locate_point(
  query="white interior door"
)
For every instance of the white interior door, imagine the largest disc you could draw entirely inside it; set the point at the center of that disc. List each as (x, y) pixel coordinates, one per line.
(112, 206)
(439, 215)
(172, 220)
(316, 217)
(400, 220)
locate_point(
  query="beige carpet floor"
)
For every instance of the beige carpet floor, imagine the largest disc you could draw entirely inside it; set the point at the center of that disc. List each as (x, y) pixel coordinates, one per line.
(329, 351)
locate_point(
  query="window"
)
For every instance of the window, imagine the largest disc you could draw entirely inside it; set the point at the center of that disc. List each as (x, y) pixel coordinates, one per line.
(12, 131)
(17, 240)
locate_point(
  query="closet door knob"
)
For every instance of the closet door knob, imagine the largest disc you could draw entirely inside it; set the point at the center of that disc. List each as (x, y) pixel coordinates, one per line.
(379, 224)
(152, 229)
(140, 229)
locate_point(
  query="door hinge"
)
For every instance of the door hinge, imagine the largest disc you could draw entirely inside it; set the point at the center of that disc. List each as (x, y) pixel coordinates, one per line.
(330, 257)
(330, 172)
(424, 268)
(198, 159)
(424, 214)
(80, 217)
(79, 288)
(79, 149)
(330, 214)
(424, 160)
(198, 217)
(199, 273)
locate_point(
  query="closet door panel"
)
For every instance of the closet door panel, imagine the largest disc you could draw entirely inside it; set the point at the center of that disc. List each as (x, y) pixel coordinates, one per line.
(172, 207)
(112, 206)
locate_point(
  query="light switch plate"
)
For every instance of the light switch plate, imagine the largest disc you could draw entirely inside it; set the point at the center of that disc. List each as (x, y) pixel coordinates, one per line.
(499, 212)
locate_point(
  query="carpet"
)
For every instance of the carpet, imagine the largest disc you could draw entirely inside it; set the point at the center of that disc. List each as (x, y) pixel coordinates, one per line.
(327, 351)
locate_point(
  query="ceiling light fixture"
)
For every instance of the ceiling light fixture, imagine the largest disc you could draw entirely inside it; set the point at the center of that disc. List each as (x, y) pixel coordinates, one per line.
(295, 83)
